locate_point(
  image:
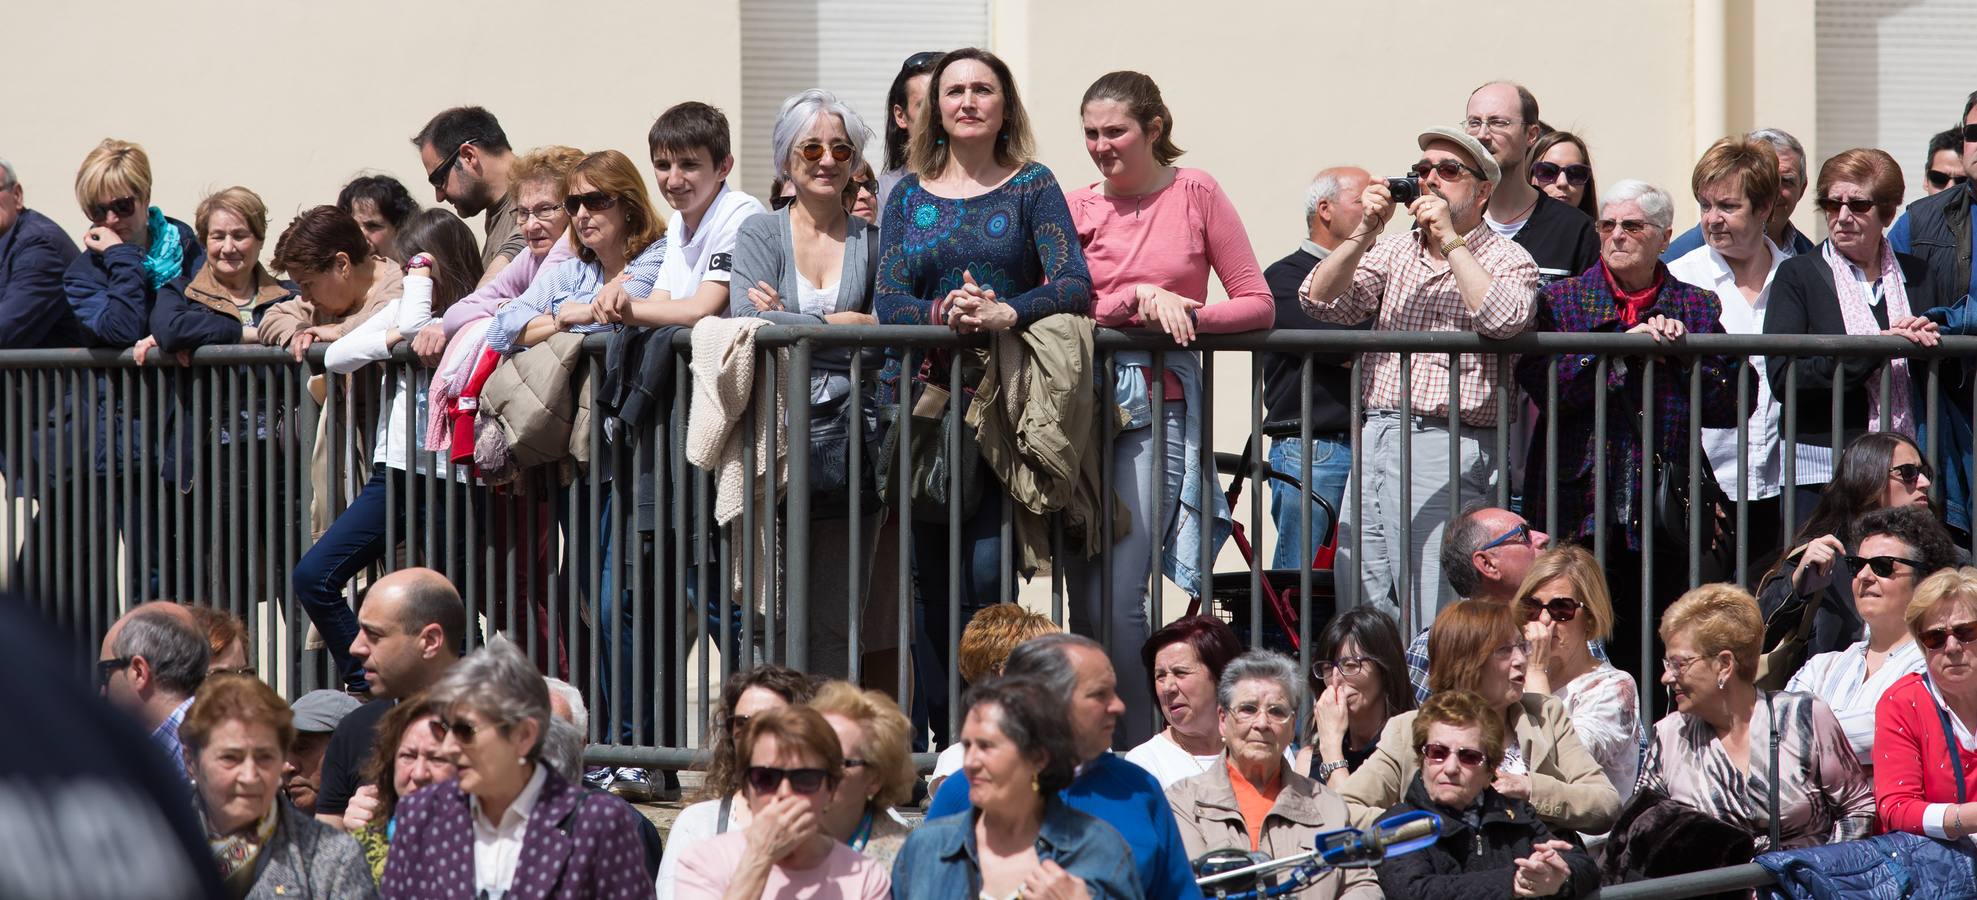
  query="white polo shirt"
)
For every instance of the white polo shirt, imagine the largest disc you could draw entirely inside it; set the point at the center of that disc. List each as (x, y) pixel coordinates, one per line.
(1707, 269)
(705, 253)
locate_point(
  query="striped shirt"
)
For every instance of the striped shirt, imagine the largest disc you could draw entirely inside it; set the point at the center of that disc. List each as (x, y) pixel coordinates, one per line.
(1403, 288)
(1840, 678)
(571, 281)
(166, 737)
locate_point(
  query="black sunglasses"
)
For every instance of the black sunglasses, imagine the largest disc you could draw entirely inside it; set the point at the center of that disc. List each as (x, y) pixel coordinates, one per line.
(1448, 169)
(1576, 174)
(1970, 134)
(1439, 753)
(765, 779)
(1832, 205)
(462, 731)
(1883, 566)
(595, 201)
(437, 177)
(1936, 638)
(124, 207)
(781, 200)
(923, 60)
(1909, 473)
(1945, 179)
(108, 667)
(1562, 609)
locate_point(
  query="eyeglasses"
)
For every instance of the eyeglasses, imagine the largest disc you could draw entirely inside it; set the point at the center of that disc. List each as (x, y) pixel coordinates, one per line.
(1494, 123)
(1909, 473)
(1939, 637)
(124, 207)
(1832, 205)
(108, 667)
(765, 779)
(1469, 757)
(1576, 174)
(595, 201)
(545, 212)
(1633, 227)
(811, 151)
(1247, 712)
(1674, 665)
(1519, 535)
(1349, 666)
(781, 200)
(1562, 609)
(1511, 649)
(437, 177)
(1945, 179)
(463, 731)
(1883, 566)
(1448, 169)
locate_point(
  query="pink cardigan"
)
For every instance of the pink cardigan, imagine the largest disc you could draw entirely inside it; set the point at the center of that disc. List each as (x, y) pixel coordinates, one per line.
(508, 284)
(1171, 239)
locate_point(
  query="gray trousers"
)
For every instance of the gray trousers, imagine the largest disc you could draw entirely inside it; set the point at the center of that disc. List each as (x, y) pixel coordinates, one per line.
(1385, 552)
(831, 609)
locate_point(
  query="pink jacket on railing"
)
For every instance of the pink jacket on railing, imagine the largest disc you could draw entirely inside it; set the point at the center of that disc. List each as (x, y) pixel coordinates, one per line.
(508, 284)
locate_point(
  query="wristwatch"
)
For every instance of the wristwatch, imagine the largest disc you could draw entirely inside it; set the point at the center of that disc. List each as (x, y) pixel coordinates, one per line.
(1325, 771)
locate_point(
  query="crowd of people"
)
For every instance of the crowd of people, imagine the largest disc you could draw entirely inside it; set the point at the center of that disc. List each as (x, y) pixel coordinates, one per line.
(1512, 709)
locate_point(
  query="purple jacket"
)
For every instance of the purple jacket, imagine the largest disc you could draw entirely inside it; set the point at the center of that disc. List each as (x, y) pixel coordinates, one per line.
(579, 844)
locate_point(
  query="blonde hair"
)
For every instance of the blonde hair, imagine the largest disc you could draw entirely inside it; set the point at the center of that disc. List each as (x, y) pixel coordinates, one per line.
(1573, 564)
(114, 169)
(993, 634)
(552, 164)
(888, 735)
(1752, 162)
(237, 200)
(1945, 587)
(1719, 617)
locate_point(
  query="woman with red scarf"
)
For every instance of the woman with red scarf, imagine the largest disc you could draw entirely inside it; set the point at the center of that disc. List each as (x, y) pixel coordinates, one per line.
(1630, 292)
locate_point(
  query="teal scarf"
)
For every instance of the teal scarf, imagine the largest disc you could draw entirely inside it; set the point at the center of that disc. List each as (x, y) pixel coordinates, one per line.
(166, 259)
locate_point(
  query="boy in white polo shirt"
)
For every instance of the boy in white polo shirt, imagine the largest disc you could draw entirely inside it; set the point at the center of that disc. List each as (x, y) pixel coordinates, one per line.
(690, 160)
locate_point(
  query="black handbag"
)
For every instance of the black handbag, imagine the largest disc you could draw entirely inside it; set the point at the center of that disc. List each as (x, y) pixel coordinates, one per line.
(934, 470)
(1672, 504)
(830, 455)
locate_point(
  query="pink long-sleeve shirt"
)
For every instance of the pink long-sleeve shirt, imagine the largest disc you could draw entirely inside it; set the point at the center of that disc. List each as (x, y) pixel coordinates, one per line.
(1171, 239)
(508, 284)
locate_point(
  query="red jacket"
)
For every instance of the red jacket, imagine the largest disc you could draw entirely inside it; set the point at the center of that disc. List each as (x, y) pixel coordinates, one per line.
(1912, 758)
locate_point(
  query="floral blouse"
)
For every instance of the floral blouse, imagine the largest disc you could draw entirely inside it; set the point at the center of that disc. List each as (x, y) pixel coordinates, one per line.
(1823, 794)
(1605, 706)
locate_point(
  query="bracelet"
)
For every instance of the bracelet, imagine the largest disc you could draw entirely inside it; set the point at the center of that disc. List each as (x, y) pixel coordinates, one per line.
(1451, 245)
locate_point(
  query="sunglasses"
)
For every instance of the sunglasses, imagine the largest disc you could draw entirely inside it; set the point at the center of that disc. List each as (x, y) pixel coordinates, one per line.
(765, 779)
(1633, 227)
(811, 151)
(1970, 134)
(463, 731)
(1883, 566)
(595, 201)
(437, 177)
(108, 667)
(781, 201)
(925, 59)
(1945, 179)
(124, 207)
(1469, 757)
(1350, 666)
(1939, 637)
(1562, 609)
(1832, 206)
(1576, 174)
(1909, 473)
(1448, 169)
(1518, 535)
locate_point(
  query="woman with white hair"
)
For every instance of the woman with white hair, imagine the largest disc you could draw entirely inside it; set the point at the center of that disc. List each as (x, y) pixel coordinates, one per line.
(1631, 292)
(812, 263)
(506, 824)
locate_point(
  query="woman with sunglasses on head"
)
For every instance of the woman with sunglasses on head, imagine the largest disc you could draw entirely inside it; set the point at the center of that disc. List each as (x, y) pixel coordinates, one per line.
(1358, 682)
(1564, 606)
(1184, 661)
(1152, 233)
(507, 824)
(1925, 755)
(1896, 549)
(1563, 168)
(1479, 646)
(1735, 752)
(1882, 470)
(794, 766)
(904, 102)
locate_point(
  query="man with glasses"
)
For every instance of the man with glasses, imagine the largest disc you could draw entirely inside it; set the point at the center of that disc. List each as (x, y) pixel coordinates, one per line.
(1449, 273)
(152, 661)
(1503, 117)
(466, 158)
(1791, 189)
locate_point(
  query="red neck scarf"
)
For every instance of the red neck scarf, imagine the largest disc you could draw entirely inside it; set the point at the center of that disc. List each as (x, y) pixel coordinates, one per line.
(1634, 304)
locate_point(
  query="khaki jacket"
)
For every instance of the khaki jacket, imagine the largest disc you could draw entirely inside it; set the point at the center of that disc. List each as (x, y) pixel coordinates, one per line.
(1205, 809)
(1568, 788)
(286, 318)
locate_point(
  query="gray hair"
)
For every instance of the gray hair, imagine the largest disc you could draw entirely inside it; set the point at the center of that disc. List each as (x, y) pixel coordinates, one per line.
(1045, 659)
(1461, 540)
(562, 749)
(800, 111)
(579, 713)
(497, 683)
(1260, 665)
(1781, 141)
(177, 654)
(8, 178)
(1327, 186)
(1653, 201)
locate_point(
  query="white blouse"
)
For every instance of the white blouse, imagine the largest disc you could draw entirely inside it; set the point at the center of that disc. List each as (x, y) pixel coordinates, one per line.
(1840, 678)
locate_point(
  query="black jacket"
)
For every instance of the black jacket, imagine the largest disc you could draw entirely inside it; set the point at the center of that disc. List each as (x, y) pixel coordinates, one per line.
(1805, 301)
(1478, 863)
(1939, 235)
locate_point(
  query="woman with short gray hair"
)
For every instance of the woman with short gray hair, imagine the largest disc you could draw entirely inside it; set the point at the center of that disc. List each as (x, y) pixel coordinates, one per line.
(481, 833)
(1256, 801)
(812, 263)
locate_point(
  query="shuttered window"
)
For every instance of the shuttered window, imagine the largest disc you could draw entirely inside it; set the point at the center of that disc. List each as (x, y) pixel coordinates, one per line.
(1891, 74)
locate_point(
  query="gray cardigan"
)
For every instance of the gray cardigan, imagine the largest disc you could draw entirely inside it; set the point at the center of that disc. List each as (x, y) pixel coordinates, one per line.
(764, 252)
(306, 858)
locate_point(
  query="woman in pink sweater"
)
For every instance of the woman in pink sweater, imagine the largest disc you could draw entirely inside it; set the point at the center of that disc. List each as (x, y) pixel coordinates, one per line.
(1151, 232)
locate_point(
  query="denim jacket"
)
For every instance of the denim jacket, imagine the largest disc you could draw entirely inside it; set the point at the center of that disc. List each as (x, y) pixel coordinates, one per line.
(1181, 560)
(939, 859)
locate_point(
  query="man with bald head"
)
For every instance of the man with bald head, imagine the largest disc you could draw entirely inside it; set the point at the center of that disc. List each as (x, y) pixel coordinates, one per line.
(1560, 238)
(409, 632)
(152, 662)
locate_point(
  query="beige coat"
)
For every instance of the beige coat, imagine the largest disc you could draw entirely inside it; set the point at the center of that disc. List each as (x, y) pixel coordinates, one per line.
(1205, 809)
(1568, 788)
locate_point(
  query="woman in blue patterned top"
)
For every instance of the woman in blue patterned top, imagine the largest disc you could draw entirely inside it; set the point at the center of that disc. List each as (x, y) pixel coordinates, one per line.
(977, 237)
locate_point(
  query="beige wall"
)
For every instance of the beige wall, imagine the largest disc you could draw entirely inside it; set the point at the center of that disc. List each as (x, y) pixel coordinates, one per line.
(293, 99)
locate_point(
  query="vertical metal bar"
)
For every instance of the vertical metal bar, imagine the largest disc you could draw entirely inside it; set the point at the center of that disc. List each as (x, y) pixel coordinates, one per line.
(88, 580)
(1258, 462)
(1404, 553)
(233, 499)
(1745, 369)
(1551, 446)
(1305, 539)
(750, 525)
(149, 539)
(1836, 437)
(1206, 462)
(855, 591)
(1357, 483)
(954, 556)
(1108, 388)
(1789, 500)
(798, 554)
(1156, 389)
(1645, 634)
(903, 502)
(1602, 365)
(1887, 409)
(1933, 424)
(1454, 445)
(1695, 475)
(1506, 418)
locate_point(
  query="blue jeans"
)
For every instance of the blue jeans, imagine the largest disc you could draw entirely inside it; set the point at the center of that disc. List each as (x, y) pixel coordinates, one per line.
(1331, 462)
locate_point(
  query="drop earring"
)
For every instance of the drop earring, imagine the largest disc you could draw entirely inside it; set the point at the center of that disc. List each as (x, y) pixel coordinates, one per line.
(1035, 788)
(1721, 681)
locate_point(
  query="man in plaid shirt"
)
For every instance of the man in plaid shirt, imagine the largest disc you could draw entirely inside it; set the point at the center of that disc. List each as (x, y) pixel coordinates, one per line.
(1449, 273)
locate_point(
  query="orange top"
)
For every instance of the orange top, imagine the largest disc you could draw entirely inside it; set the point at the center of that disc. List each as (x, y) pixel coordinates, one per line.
(1255, 803)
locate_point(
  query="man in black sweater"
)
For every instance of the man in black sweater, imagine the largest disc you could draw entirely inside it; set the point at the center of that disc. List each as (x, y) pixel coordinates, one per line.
(1560, 238)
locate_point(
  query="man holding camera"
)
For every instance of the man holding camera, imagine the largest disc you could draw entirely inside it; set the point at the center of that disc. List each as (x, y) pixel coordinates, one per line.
(1449, 273)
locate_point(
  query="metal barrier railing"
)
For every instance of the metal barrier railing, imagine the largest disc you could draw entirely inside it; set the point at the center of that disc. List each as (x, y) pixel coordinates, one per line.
(1693, 884)
(211, 482)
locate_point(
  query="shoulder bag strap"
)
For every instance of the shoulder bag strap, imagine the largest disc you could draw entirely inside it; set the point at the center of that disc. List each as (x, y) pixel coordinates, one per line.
(1770, 714)
(721, 824)
(1956, 750)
